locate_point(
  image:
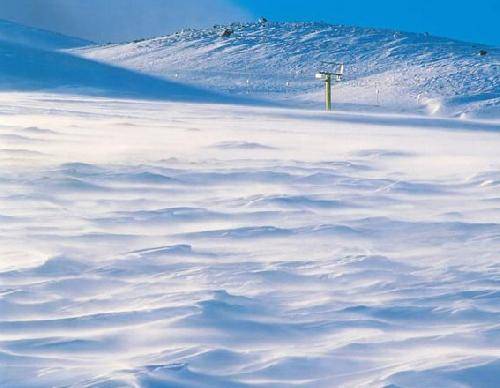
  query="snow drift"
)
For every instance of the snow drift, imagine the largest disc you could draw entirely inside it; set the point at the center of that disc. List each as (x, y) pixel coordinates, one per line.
(147, 244)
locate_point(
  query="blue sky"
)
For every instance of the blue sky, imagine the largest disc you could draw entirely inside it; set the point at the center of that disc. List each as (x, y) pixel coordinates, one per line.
(469, 20)
(121, 20)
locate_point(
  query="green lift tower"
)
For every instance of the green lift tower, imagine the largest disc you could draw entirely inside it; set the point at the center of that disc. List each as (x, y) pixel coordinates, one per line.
(328, 77)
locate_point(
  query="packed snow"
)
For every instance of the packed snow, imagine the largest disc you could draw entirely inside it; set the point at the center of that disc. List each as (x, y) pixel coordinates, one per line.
(154, 235)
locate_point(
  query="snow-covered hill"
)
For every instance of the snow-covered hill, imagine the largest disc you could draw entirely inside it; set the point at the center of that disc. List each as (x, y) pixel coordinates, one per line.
(280, 59)
(15, 33)
(32, 59)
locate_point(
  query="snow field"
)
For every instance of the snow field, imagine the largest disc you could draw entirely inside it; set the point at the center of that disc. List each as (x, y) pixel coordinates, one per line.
(173, 244)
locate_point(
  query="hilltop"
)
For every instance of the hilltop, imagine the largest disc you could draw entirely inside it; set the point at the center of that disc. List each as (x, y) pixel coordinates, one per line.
(278, 60)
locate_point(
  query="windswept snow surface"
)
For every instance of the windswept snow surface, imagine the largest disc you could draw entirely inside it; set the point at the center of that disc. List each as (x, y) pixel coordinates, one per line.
(384, 69)
(176, 245)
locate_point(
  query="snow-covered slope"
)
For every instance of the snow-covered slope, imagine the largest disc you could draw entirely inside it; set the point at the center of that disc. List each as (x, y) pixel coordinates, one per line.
(279, 60)
(33, 37)
(32, 59)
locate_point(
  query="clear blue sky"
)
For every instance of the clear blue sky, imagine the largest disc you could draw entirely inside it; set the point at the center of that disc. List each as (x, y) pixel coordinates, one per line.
(119, 20)
(469, 20)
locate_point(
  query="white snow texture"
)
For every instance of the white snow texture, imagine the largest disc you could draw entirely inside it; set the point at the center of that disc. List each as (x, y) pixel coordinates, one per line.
(160, 226)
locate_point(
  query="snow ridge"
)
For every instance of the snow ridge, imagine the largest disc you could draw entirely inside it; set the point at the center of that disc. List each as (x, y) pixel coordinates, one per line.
(20, 34)
(33, 59)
